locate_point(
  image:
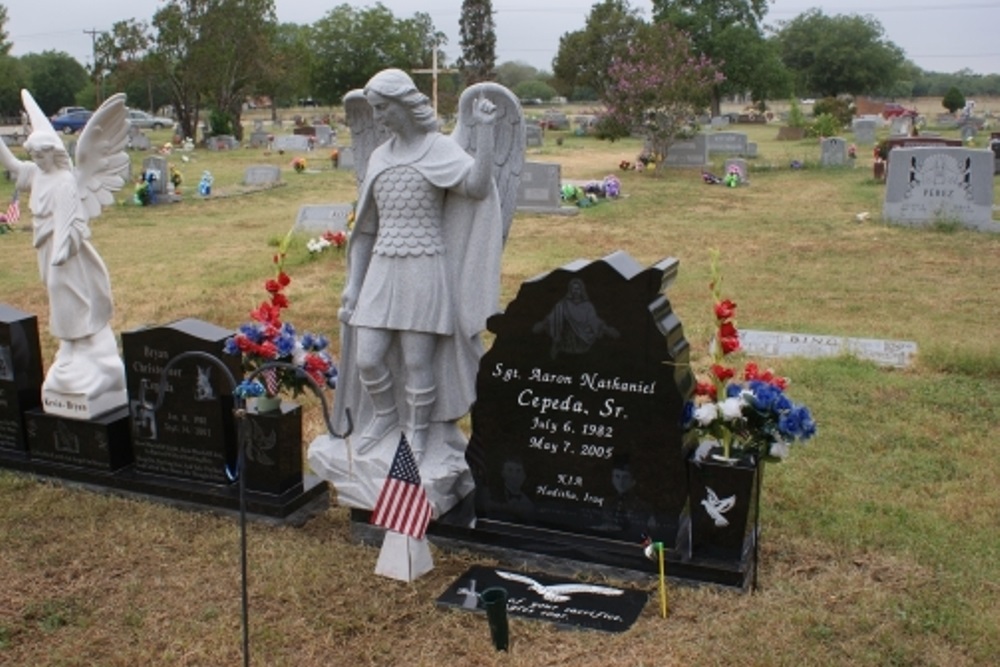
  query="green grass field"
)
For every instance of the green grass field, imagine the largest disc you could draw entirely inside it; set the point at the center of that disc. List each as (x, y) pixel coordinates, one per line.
(881, 537)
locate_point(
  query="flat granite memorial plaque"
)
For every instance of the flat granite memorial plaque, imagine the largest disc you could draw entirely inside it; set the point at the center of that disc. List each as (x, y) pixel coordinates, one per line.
(323, 217)
(20, 374)
(262, 174)
(577, 423)
(536, 596)
(898, 353)
(100, 443)
(291, 142)
(192, 435)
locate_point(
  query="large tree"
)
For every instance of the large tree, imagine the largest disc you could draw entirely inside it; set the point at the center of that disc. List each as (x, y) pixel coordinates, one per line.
(287, 75)
(214, 50)
(729, 32)
(55, 78)
(478, 40)
(5, 44)
(831, 55)
(122, 64)
(12, 74)
(351, 45)
(582, 61)
(658, 87)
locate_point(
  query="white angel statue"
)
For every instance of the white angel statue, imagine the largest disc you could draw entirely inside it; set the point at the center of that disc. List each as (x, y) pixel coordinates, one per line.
(87, 377)
(423, 260)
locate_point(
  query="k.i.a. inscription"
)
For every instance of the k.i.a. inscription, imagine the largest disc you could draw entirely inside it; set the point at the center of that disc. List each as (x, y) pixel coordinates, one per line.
(576, 425)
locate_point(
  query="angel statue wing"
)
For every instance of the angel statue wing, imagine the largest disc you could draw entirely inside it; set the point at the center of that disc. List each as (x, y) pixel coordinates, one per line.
(366, 134)
(100, 159)
(508, 141)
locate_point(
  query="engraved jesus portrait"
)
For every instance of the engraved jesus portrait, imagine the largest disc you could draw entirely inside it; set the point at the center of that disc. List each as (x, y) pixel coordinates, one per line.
(573, 324)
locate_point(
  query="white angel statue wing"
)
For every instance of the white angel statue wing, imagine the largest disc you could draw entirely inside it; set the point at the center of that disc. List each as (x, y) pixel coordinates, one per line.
(508, 141)
(101, 160)
(366, 134)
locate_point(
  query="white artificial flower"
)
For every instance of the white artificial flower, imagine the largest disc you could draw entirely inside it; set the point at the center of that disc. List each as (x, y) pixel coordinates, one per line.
(779, 449)
(732, 408)
(706, 413)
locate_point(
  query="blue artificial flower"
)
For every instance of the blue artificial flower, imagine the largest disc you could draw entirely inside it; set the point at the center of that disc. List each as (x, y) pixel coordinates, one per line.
(687, 417)
(308, 342)
(285, 344)
(253, 332)
(733, 390)
(322, 342)
(248, 389)
(230, 346)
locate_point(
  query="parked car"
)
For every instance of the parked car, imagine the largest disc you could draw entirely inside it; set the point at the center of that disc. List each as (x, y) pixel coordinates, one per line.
(71, 122)
(892, 110)
(148, 121)
(65, 110)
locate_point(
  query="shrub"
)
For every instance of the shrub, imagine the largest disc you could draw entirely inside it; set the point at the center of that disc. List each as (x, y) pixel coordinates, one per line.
(953, 100)
(220, 123)
(825, 125)
(836, 107)
(795, 116)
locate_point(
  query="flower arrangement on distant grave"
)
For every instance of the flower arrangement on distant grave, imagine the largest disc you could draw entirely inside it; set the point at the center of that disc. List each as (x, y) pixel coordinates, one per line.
(335, 158)
(746, 413)
(267, 338)
(144, 195)
(733, 177)
(299, 164)
(592, 192)
(328, 239)
(176, 178)
(205, 184)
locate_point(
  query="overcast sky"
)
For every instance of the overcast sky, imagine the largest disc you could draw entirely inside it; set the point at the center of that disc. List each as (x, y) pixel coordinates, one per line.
(938, 35)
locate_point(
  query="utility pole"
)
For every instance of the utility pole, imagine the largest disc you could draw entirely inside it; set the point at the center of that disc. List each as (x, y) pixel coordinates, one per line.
(98, 81)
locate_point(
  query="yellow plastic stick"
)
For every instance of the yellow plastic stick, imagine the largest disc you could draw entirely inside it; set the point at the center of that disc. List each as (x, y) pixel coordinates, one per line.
(663, 582)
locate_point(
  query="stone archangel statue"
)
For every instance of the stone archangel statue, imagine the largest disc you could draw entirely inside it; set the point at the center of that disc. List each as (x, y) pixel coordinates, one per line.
(432, 217)
(87, 377)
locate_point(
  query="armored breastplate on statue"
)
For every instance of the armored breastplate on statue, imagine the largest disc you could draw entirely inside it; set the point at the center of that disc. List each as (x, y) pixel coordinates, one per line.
(409, 210)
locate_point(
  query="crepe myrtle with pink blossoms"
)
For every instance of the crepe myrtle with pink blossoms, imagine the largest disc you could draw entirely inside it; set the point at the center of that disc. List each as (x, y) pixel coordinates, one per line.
(659, 87)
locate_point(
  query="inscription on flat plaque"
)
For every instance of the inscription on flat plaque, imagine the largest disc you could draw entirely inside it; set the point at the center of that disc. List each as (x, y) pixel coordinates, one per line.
(897, 353)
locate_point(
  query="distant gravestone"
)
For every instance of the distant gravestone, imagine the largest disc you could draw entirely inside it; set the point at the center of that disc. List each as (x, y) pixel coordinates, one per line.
(20, 374)
(192, 435)
(539, 189)
(927, 185)
(259, 139)
(533, 135)
(719, 122)
(833, 152)
(261, 174)
(897, 353)
(157, 165)
(291, 142)
(222, 142)
(555, 120)
(324, 135)
(577, 422)
(323, 217)
(791, 133)
(901, 126)
(691, 152)
(346, 157)
(864, 131)
(968, 133)
(137, 141)
(728, 143)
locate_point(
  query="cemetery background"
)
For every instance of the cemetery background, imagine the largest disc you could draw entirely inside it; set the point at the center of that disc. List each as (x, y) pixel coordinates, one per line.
(879, 543)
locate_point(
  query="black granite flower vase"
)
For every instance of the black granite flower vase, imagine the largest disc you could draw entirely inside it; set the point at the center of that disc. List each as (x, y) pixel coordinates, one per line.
(494, 600)
(273, 444)
(723, 498)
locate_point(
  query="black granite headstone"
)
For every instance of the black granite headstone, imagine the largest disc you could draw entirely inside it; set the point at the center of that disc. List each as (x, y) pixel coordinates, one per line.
(192, 435)
(20, 374)
(577, 422)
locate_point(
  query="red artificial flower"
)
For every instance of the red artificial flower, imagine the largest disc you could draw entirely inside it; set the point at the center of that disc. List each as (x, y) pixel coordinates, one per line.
(272, 286)
(729, 337)
(279, 300)
(268, 349)
(703, 388)
(722, 373)
(283, 279)
(725, 309)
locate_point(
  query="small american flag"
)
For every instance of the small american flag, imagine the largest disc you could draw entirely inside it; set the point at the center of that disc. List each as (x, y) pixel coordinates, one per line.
(14, 210)
(402, 505)
(271, 384)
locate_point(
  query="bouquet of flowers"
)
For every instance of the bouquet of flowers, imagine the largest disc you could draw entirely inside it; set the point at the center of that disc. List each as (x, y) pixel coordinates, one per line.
(336, 239)
(746, 413)
(299, 165)
(266, 338)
